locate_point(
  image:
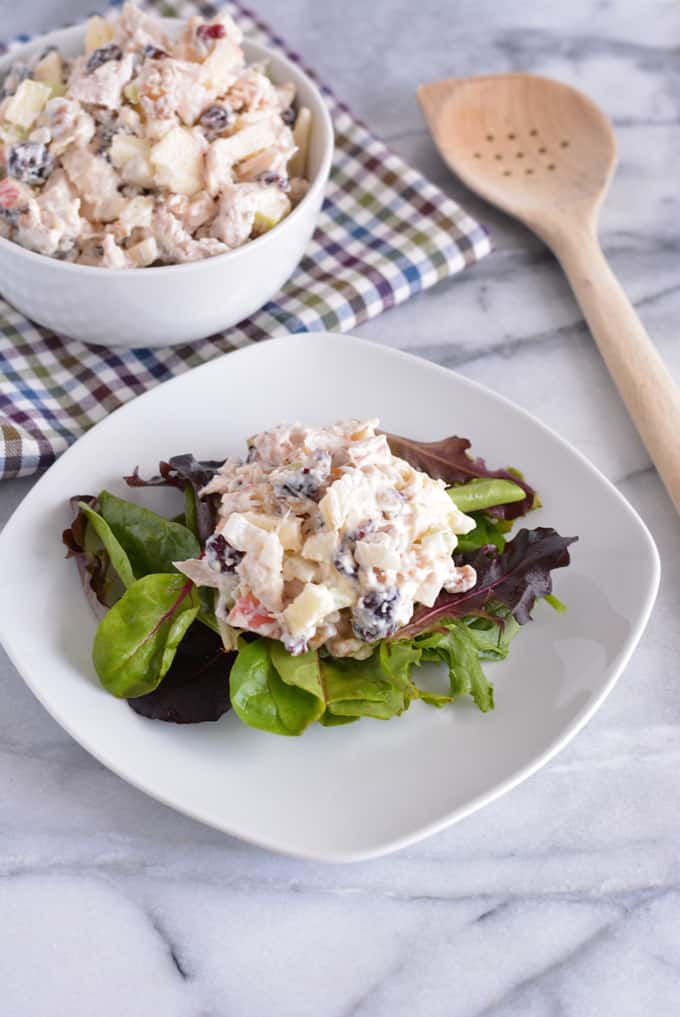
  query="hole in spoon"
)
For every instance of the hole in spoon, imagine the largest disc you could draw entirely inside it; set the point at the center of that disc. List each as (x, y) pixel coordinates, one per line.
(542, 150)
(533, 132)
(511, 136)
(498, 156)
(551, 166)
(507, 173)
(489, 137)
(564, 144)
(528, 171)
(478, 155)
(519, 155)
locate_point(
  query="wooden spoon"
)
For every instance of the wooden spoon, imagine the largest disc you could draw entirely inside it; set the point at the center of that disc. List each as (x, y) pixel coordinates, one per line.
(544, 153)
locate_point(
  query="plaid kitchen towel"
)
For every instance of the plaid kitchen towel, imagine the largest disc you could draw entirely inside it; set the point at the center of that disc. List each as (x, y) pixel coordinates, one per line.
(402, 235)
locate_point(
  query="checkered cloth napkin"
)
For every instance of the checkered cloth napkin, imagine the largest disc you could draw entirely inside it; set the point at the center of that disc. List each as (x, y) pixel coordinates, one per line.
(385, 233)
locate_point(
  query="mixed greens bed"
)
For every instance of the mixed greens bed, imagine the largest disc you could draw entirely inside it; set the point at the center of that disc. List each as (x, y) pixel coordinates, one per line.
(161, 646)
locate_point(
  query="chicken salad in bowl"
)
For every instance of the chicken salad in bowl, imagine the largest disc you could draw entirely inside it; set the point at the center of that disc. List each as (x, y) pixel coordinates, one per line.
(169, 303)
(151, 147)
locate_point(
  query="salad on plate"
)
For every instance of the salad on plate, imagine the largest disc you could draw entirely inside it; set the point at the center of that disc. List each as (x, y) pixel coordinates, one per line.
(145, 149)
(313, 578)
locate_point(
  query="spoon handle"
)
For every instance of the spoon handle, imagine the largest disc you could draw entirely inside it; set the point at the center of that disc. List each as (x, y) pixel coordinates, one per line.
(641, 376)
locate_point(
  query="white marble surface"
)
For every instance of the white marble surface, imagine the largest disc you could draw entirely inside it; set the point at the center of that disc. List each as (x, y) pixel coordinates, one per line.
(563, 898)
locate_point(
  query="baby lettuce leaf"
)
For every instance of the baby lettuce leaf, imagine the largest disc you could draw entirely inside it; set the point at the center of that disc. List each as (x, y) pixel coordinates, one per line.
(485, 493)
(151, 542)
(363, 688)
(486, 531)
(196, 686)
(455, 647)
(515, 578)
(492, 636)
(448, 460)
(189, 475)
(303, 671)
(117, 555)
(101, 582)
(262, 699)
(189, 518)
(274, 691)
(137, 639)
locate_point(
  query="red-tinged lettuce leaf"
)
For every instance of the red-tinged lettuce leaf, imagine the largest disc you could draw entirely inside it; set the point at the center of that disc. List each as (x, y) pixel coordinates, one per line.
(100, 580)
(449, 460)
(196, 687)
(514, 578)
(186, 473)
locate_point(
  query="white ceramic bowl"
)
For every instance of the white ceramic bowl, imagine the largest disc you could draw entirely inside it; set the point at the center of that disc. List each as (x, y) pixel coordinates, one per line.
(175, 303)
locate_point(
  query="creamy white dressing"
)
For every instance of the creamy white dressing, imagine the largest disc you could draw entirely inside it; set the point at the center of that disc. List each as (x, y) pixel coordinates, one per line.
(327, 539)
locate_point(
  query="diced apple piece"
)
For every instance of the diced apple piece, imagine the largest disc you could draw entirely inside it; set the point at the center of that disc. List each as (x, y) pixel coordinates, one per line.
(98, 33)
(301, 132)
(320, 546)
(131, 156)
(131, 92)
(137, 212)
(50, 69)
(246, 141)
(222, 66)
(25, 106)
(127, 146)
(273, 206)
(286, 94)
(144, 253)
(287, 528)
(178, 161)
(309, 608)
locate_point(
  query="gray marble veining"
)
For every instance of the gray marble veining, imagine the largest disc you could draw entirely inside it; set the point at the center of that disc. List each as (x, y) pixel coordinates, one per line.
(562, 899)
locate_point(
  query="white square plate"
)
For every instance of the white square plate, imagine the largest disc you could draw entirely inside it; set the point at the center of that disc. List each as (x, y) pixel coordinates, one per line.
(346, 793)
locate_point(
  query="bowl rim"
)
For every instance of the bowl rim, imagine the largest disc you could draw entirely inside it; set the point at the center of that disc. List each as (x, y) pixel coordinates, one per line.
(316, 186)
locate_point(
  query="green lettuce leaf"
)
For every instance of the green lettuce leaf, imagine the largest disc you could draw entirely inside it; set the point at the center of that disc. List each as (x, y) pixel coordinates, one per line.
(276, 692)
(262, 699)
(117, 555)
(492, 640)
(151, 542)
(137, 639)
(455, 647)
(487, 531)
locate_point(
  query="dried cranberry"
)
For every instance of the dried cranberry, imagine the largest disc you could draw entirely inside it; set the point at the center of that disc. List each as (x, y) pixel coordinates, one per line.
(102, 56)
(103, 138)
(289, 116)
(274, 179)
(300, 484)
(30, 162)
(12, 215)
(373, 617)
(343, 559)
(152, 52)
(217, 31)
(217, 118)
(220, 553)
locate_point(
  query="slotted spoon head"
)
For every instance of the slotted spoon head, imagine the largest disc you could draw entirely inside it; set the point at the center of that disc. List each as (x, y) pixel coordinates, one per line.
(536, 148)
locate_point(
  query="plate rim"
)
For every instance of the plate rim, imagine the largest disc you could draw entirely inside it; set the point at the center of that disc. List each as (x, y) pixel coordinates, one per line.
(425, 830)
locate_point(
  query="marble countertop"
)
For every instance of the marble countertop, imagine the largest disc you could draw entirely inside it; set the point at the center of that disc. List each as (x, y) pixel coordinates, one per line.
(563, 897)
